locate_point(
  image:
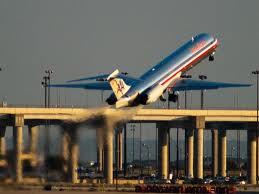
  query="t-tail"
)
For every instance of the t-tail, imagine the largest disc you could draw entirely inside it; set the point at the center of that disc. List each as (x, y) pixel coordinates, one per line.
(118, 86)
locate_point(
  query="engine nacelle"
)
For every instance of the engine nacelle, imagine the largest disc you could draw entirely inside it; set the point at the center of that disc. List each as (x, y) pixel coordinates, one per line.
(151, 95)
(111, 100)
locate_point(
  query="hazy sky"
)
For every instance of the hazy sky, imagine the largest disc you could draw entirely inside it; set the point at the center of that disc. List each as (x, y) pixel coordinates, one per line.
(83, 38)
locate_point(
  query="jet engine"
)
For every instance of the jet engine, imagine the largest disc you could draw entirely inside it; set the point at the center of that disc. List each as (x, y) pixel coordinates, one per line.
(111, 100)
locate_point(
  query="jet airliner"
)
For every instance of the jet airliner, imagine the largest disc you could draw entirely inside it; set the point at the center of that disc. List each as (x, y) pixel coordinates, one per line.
(149, 87)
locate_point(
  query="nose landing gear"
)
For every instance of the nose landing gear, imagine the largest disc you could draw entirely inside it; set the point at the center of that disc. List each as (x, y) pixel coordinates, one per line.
(211, 57)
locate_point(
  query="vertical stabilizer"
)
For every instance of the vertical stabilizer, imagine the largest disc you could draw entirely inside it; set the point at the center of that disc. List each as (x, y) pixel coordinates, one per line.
(118, 86)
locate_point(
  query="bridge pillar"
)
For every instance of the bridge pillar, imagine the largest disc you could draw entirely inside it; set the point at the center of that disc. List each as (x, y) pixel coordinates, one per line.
(73, 156)
(65, 139)
(108, 154)
(33, 139)
(100, 158)
(214, 134)
(251, 156)
(198, 153)
(163, 151)
(189, 152)
(18, 147)
(198, 147)
(3, 161)
(222, 153)
(99, 137)
(257, 152)
(2, 141)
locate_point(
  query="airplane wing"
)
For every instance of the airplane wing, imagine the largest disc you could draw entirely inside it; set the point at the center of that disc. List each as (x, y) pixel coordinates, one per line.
(103, 77)
(100, 83)
(89, 86)
(190, 84)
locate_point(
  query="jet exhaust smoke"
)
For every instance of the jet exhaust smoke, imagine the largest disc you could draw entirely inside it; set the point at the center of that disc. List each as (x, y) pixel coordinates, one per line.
(103, 119)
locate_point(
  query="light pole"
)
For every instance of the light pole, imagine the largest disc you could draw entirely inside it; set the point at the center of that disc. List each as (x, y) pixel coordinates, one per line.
(48, 72)
(148, 155)
(133, 141)
(46, 83)
(140, 148)
(185, 91)
(177, 145)
(202, 77)
(232, 152)
(125, 151)
(186, 131)
(256, 72)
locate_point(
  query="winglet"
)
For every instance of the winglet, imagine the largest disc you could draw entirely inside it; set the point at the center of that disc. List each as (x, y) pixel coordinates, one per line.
(113, 75)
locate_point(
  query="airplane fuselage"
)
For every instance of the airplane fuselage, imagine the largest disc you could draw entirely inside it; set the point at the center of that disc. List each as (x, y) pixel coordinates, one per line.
(158, 78)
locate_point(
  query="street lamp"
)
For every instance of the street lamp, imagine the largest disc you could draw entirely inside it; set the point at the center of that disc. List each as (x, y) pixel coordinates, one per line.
(133, 142)
(256, 72)
(125, 151)
(46, 83)
(232, 152)
(185, 76)
(148, 154)
(202, 77)
(185, 91)
(140, 150)
(48, 72)
(178, 156)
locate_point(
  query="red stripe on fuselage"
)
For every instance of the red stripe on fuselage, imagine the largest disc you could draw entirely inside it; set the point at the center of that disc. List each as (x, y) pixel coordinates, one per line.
(192, 62)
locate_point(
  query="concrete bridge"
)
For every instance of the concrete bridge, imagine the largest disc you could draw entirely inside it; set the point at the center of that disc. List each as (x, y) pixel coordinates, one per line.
(193, 121)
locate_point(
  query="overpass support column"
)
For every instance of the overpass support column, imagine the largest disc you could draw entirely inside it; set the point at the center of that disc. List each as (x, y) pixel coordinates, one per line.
(198, 147)
(108, 154)
(257, 152)
(99, 137)
(18, 141)
(64, 149)
(33, 139)
(222, 153)
(251, 156)
(2, 141)
(214, 134)
(73, 156)
(189, 152)
(3, 161)
(163, 151)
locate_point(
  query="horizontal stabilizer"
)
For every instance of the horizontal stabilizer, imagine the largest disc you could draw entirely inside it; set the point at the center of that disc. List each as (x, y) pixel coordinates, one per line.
(88, 86)
(190, 84)
(104, 77)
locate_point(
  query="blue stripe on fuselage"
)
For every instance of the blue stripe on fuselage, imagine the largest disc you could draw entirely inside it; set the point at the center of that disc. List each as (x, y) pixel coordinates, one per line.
(172, 63)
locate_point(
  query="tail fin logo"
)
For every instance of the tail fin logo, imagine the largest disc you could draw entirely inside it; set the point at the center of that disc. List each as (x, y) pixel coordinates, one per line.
(120, 86)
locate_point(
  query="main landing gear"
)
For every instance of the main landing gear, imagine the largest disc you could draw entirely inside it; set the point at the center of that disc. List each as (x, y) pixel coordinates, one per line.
(211, 57)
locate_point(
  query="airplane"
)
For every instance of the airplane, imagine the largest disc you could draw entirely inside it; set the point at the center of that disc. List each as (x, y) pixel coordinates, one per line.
(168, 74)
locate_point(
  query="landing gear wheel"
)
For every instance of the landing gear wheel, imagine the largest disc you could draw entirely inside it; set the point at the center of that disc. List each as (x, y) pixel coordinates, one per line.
(211, 58)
